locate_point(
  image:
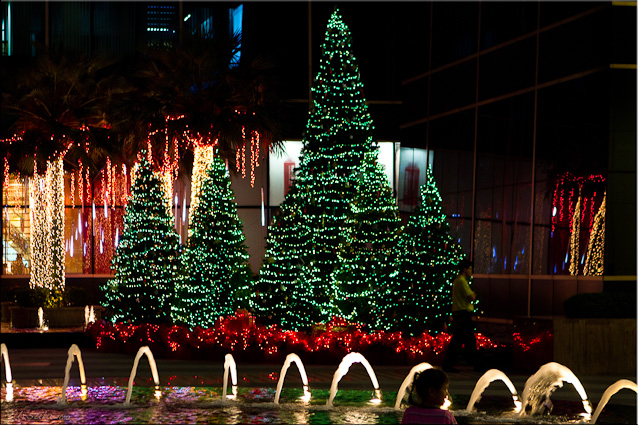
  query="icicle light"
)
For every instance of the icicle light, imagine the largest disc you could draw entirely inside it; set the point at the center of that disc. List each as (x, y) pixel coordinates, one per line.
(574, 240)
(594, 265)
(46, 199)
(203, 156)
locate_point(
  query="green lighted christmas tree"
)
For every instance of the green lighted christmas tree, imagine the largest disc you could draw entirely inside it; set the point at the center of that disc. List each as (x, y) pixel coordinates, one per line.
(370, 262)
(146, 261)
(317, 260)
(217, 276)
(421, 298)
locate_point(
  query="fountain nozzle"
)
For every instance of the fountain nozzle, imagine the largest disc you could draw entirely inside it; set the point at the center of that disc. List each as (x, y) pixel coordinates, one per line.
(9, 395)
(306, 394)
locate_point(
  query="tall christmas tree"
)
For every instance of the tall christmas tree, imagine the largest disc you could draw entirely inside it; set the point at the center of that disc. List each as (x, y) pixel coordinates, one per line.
(146, 261)
(217, 276)
(314, 244)
(421, 298)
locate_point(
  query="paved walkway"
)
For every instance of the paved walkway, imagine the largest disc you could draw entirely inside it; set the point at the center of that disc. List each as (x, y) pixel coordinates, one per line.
(31, 367)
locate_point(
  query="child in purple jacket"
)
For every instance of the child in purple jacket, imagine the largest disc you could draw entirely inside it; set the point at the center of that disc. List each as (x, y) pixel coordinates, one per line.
(428, 394)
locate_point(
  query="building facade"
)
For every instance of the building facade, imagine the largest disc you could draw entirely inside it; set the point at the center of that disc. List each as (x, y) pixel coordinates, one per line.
(526, 112)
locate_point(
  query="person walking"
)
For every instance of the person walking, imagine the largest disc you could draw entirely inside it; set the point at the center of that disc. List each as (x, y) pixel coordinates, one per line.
(462, 328)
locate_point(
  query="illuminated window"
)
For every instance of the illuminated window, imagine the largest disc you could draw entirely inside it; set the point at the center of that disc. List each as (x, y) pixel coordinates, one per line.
(235, 24)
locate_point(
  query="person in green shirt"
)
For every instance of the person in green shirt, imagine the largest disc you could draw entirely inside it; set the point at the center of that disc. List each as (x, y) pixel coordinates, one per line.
(462, 327)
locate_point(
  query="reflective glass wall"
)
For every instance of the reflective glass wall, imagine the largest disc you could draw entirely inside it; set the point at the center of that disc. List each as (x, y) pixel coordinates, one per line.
(513, 102)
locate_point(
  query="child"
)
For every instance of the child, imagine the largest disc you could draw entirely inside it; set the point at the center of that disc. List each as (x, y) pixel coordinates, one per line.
(428, 393)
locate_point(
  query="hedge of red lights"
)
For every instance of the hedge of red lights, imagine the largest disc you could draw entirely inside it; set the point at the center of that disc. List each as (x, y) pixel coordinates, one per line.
(250, 341)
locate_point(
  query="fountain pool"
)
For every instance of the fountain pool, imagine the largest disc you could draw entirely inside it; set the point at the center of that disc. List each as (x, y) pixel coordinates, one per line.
(109, 401)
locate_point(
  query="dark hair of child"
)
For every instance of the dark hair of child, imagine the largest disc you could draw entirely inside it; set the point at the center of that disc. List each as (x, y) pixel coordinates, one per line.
(432, 378)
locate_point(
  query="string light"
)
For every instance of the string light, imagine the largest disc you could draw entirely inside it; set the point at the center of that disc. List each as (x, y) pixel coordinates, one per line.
(329, 249)
(217, 276)
(574, 241)
(146, 261)
(80, 184)
(420, 298)
(46, 201)
(243, 152)
(72, 194)
(571, 226)
(89, 191)
(594, 265)
(203, 156)
(240, 335)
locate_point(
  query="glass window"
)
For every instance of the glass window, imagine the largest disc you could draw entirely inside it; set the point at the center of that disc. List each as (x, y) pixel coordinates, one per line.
(453, 87)
(503, 185)
(573, 47)
(552, 12)
(503, 21)
(455, 28)
(507, 69)
(415, 104)
(571, 150)
(454, 177)
(623, 31)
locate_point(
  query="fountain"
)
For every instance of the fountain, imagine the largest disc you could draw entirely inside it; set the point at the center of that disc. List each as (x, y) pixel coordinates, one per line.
(41, 325)
(485, 380)
(74, 351)
(540, 386)
(7, 370)
(342, 370)
(408, 382)
(610, 391)
(229, 363)
(151, 361)
(185, 404)
(302, 371)
(89, 316)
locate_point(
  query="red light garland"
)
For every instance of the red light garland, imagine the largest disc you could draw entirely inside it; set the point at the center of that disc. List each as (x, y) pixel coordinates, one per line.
(240, 335)
(527, 344)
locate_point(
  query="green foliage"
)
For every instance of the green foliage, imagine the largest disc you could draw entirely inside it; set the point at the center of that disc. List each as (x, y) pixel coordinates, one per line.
(601, 305)
(217, 277)
(330, 247)
(31, 297)
(75, 296)
(420, 299)
(146, 262)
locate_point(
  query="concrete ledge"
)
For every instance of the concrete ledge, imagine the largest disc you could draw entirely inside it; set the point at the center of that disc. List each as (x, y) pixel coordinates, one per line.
(64, 317)
(596, 346)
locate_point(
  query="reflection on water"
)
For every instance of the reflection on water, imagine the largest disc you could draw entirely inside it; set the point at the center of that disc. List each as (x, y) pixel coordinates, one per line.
(103, 404)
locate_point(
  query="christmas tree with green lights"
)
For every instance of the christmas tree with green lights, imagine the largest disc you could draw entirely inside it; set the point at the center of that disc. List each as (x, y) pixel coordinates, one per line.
(420, 300)
(216, 274)
(370, 262)
(146, 261)
(318, 254)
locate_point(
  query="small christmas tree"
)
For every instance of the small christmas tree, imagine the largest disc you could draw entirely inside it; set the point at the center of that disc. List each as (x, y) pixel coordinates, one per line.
(217, 277)
(146, 261)
(291, 290)
(421, 297)
(370, 262)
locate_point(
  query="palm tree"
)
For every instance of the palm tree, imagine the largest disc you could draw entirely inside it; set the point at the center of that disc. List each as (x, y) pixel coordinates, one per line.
(199, 97)
(57, 104)
(58, 111)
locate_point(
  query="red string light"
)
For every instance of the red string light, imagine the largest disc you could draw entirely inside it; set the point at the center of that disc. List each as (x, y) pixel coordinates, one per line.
(243, 152)
(80, 184)
(239, 334)
(72, 194)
